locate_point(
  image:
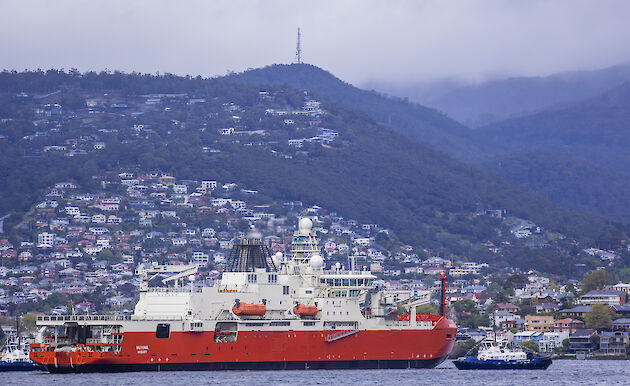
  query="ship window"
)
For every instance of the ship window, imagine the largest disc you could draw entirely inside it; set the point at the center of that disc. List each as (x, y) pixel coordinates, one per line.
(273, 278)
(337, 282)
(322, 281)
(308, 291)
(285, 289)
(163, 330)
(329, 281)
(251, 278)
(353, 282)
(360, 281)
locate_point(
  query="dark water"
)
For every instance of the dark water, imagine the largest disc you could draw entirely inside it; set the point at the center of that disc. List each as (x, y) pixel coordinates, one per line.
(561, 372)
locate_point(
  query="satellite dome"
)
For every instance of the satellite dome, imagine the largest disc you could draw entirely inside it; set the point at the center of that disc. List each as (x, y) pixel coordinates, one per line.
(338, 266)
(277, 258)
(305, 225)
(191, 278)
(317, 261)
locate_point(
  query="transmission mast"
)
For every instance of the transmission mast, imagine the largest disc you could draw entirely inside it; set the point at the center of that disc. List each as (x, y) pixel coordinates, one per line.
(298, 49)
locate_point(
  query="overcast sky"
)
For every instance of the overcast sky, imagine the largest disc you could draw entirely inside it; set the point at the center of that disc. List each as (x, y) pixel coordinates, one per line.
(357, 40)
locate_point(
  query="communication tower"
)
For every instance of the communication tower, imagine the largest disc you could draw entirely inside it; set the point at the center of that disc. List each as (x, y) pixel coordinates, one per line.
(298, 49)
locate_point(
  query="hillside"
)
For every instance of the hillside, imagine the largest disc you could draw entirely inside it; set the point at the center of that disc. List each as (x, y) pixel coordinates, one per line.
(493, 101)
(596, 131)
(569, 182)
(412, 120)
(101, 123)
(575, 156)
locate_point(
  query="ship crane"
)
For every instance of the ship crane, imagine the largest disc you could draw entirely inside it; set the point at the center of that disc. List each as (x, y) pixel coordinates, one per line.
(177, 272)
(409, 305)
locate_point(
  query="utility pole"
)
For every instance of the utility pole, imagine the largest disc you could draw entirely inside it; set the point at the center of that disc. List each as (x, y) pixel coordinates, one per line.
(298, 48)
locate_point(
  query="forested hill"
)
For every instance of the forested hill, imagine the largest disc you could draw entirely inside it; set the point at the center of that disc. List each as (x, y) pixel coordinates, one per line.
(576, 156)
(412, 120)
(57, 126)
(596, 130)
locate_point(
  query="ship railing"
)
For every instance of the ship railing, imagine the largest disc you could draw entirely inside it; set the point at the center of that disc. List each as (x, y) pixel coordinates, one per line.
(158, 317)
(73, 318)
(172, 289)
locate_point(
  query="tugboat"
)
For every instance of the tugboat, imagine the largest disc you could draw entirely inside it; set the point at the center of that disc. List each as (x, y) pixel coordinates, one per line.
(15, 356)
(494, 357)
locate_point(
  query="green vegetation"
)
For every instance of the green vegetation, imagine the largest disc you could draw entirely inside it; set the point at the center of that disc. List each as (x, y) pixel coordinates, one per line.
(529, 345)
(595, 280)
(598, 318)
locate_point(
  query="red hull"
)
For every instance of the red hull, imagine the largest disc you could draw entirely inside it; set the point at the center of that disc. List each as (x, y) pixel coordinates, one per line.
(143, 351)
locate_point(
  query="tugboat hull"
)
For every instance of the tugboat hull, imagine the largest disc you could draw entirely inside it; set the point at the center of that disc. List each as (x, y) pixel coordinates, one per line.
(20, 366)
(471, 363)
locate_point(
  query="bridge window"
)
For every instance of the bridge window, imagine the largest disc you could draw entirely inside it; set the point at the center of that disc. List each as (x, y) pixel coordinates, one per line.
(163, 330)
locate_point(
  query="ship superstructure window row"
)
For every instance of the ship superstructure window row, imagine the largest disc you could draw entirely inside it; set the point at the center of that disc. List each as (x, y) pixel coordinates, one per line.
(346, 282)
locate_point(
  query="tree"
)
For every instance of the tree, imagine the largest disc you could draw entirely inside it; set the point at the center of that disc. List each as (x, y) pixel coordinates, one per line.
(465, 306)
(598, 318)
(595, 280)
(529, 345)
(427, 309)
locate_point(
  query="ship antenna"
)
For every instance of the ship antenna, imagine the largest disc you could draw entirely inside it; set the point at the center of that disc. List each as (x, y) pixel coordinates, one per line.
(298, 48)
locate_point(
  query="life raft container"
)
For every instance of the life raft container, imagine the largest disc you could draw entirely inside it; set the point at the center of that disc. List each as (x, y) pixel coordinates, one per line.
(302, 310)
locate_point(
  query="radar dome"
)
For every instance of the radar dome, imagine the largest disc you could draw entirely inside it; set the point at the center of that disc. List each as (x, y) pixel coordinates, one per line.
(338, 266)
(305, 225)
(317, 261)
(277, 258)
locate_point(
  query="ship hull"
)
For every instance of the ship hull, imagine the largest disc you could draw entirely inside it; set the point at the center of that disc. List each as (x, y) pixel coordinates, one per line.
(262, 366)
(263, 350)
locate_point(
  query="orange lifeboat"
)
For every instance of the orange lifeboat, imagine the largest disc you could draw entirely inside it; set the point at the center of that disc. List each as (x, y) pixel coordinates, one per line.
(249, 309)
(302, 310)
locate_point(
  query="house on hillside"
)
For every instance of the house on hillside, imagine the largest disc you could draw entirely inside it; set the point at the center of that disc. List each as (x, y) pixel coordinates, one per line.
(575, 312)
(580, 340)
(613, 342)
(568, 325)
(539, 322)
(607, 297)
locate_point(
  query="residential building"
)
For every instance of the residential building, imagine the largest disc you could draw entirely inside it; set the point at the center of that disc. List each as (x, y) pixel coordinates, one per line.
(622, 287)
(607, 297)
(621, 324)
(551, 340)
(613, 342)
(575, 312)
(534, 336)
(46, 239)
(508, 307)
(539, 322)
(568, 325)
(546, 308)
(580, 340)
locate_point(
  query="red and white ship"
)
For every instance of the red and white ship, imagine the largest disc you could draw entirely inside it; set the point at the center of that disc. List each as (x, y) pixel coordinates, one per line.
(265, 313)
